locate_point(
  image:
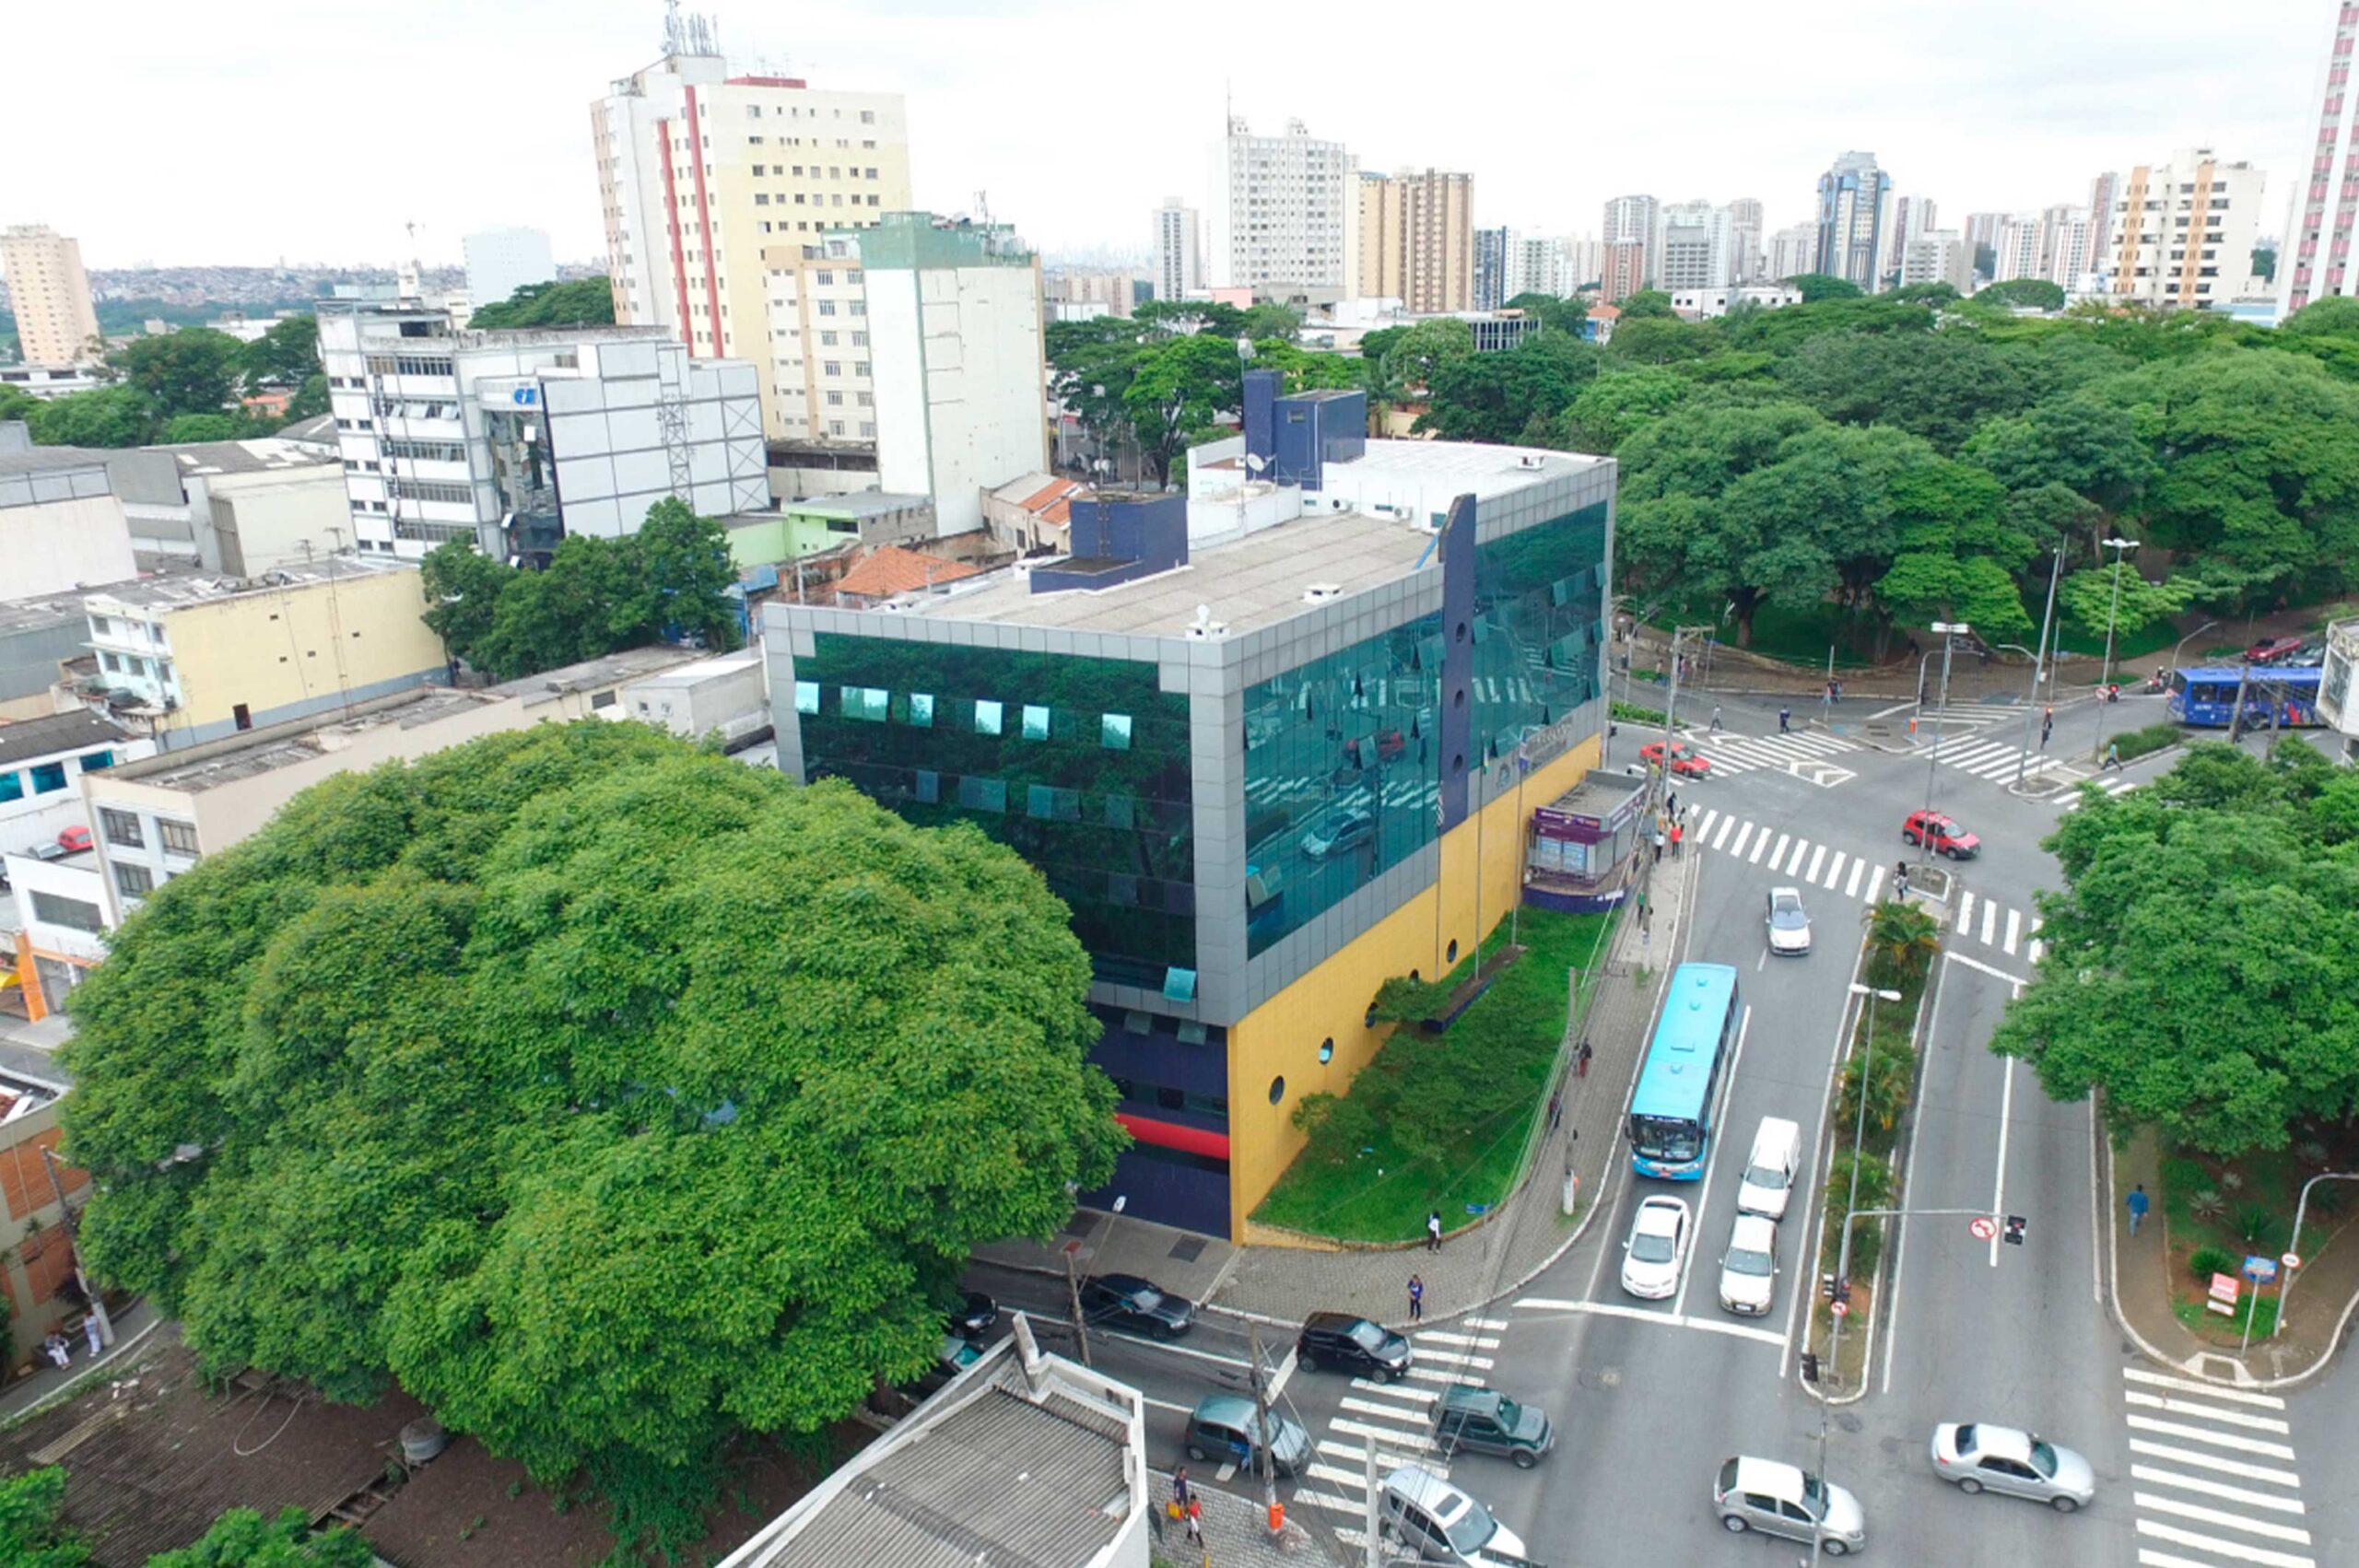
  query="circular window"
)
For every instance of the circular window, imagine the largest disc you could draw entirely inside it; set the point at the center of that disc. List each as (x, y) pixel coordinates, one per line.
(1327, 1049)
(1278, 1089)
(1453, 950)
(1461, 631)
(1370, 1021)
(1458, 762)
(1458, 698)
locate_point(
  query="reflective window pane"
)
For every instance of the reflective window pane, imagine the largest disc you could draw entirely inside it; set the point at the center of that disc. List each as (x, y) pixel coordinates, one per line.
(806, 696)
(922, 710)
(987, 718)
(1114, 732)
(1036, 723)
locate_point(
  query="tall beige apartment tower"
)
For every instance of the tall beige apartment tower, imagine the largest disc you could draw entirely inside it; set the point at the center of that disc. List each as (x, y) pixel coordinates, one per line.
(2182, 231)
(1416, 239)
(716, 191)
(55, 322)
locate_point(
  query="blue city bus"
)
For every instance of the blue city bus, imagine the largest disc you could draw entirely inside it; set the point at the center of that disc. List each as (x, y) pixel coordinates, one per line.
(1670, 1113)
(2285, 696)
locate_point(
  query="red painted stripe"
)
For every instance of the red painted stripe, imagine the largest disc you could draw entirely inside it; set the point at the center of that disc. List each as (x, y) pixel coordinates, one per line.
(672, 226)
(704, 227)
(1170, 1135)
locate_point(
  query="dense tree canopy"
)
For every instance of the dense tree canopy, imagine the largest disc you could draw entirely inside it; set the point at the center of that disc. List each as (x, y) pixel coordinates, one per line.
(2198, 964)
(615, 1099)
(585, 302)
(2030, 293)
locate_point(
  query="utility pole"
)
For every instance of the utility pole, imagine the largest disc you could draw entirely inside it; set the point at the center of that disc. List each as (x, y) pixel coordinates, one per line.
(1273, 1509)
(2121, 548)
(1073, 1294)
(1933, 758)
(2038, 661)
(2294, 1246)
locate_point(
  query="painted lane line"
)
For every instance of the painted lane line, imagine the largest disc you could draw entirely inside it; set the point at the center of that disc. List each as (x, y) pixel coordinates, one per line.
(1395, 1390)
(2222, 1490)
(2221, 1519)
(1442, 1337)
(2229, 1440)
(2209, 1390)
(1794, 865)
(1548, 1304)
(1817, 859)
(1834, 871)
(1493, 1324)
(1998, 1190)
(2208, 1412)
(1455, 1358)
(1356, 1507)
(1857, 868)
(1754, 859)
(1428, 1375)
(1743, 832)
(1989, 917)
(1996, 974)
(1388, 1412)
(1873, 892)
(1965, 912)
(1413, 1442)
(2149, 1558)
(2014, 930)
(1671, 1320)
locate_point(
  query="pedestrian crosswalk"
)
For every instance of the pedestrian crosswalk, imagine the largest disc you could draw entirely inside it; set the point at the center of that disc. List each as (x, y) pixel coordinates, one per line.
(1791, 856)
(2118, 784)
(1984, 757)
(1804, 752)
(2212, 1484)
(1395, 1419)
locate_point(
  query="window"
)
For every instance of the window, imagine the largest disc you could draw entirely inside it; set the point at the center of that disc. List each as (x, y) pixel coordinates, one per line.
(806, 696)
(134, 882)
(12, 786)
(922, 710)
(835, 400)
(872, 704)
(987, 717)
(121, 828)
(75, 914)
(827, 340)
(832, 367)
(828, 308)
(49, 778)
(1036, 723)
(1114, 732)
(179, 837)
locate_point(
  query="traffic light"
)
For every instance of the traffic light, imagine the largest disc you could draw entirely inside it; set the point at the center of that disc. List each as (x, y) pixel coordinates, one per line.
(1827, 1288)
(1842, 1288)
(2016, 1223)
(1809, 1366)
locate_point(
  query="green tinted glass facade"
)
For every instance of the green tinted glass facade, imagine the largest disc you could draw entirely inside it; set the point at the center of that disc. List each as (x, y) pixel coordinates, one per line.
(1078, 764)
(1539, 629)
(1341, 775)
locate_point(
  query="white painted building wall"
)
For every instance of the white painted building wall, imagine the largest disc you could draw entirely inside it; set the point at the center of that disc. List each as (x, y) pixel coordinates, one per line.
(958, 371)
(501, 261)
(60, 530)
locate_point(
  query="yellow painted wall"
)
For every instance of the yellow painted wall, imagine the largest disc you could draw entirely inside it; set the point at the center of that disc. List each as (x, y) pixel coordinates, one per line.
(1282, 1037)
(311, 640)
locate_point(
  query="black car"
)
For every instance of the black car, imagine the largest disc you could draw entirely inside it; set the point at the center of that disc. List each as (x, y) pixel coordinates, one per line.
(1347, 1344)
(1125, 1300)
(975, 1316)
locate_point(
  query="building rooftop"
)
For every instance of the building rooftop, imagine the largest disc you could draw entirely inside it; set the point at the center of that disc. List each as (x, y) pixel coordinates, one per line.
(859, 504)
(263, 455)
(55, 733)
(889, 569)
(196, 769)
(168, 591)
(593, 675)
(707, 667)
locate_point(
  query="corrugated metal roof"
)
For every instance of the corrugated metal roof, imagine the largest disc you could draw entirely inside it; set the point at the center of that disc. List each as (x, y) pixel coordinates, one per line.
(53, 734)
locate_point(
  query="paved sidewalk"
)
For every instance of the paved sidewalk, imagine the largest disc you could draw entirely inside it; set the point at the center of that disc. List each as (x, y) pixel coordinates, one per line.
(1236, 1533)
(132, 1336)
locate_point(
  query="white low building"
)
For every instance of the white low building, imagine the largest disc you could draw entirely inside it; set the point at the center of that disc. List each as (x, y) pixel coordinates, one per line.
(2338, 704)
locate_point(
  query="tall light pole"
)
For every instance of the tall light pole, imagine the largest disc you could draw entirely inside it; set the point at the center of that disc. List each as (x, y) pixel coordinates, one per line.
(2121, 548)
(1948, 629)
(2294, 1246)
(2188, 639)
(1850, 1211)
(2022, 755)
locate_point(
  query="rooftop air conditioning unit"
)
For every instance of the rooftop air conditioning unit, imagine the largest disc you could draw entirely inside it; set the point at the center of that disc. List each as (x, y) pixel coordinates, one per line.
(1532, 459)
(1205, 627)
(1320, 592)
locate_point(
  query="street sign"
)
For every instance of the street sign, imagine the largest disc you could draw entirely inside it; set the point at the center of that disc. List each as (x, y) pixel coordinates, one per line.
(2223, 1295)
(1841, 1308)
(2292, 1260)
(1983, 1226)
(2260, 1270)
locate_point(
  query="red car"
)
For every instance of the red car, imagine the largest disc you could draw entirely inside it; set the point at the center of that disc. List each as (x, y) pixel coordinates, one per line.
(74, 840)
(2269, 650)
(1940, 834)
(1685, 763)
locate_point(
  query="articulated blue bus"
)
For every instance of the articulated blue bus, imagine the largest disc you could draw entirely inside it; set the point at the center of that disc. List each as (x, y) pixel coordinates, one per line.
(1670, 1113)
(2285, 696)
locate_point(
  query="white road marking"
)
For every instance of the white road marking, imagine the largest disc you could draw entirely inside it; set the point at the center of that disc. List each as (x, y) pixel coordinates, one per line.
(2220, 1518)
(2149, 1558)
(1853, 890)
(1443, 1337)
(2209, 1390)
(1754, 859)
(1710, 1325)
(2209, 1412)
(2014, 930)
(1794, 865)
(1411, 1442)
(1989, 917)
(2015, 980)
(1493, 1324)
(2205, 1434)
(1743, 832)
(1549, 1303)
(1817, 859)
(1874, 891)
(1965, 912)
(1834, 871)
(1455, 1358)
(2216, 1489)
(1396, 1390)
(2259, 1556)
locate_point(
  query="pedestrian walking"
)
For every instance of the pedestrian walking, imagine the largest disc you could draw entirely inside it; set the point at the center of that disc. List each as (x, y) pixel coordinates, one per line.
(2045, 725)
(1670, 804)
(1416, 1299)
(1657, 846)
(58, 1350)
(1785, 721)
(2112, 755)
(1900, 879)
(1195, 1518)
(1838, 691)
(1556, 1109)
(2138, 1203)
(1433, 1231)
(1677, 832)
(1580, 1062)
(1715, 725)
(1181, 1494)
(90, 1331)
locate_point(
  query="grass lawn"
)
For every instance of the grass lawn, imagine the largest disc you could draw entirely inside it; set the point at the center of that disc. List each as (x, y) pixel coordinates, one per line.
(1501, 1050)
(2259, 1305)
(2256, 1193)
(2143, 643)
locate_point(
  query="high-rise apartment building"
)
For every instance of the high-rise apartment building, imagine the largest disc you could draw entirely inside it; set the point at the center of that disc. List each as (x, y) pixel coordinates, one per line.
(2104, 191)
(1793, 252)
(1538, 264)
(2183, 231)
(1854, 205)
(1632, 220)
(1911, 217)
(2315, 258)
(2067, 245)
(716, 190)
(1178, 251)
(1416, 239)
(1745, 233)
(501, 261)
(1982, 232)
(1622, 269)
(1938, 255)
(1284, 216)
(56, 324)
(2014, 248)
(1491, 269)
(1582, 261)
(1694, 247)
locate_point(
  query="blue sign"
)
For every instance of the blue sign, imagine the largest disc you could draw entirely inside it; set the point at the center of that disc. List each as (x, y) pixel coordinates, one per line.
(2260, 1270)
(524, 397)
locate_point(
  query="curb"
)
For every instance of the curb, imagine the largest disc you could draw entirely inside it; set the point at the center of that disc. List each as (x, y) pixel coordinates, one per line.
(74, 1387)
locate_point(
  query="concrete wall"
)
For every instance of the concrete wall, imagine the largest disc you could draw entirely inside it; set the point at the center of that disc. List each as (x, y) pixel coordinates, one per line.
(36, 1258)
(958, 369)
(313, 643)
(75, 536)
(265, 521)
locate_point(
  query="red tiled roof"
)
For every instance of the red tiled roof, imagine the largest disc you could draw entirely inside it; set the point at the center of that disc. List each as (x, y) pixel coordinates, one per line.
(890, 569)
(1056, 493)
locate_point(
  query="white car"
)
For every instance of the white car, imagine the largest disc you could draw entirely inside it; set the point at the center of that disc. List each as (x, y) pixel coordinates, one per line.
(1439, 1523)
(1789, 922)
(1749, 1267)
(1656, 1255)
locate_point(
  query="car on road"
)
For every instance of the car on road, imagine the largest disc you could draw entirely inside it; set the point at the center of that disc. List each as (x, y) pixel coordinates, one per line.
(1768, 1183)
(2269, 649)
(1225, 1429)
(1342, 1342)
(1749, 1267)
(1337, 831)
(1476, 1420)
(975, 1316)
(1442, 1524)
(1941, 835)
(1789, 922)
(1656, 1255)
(1785, 1499)
(1977, 1457)
(1126, 1301)
(1685, 761)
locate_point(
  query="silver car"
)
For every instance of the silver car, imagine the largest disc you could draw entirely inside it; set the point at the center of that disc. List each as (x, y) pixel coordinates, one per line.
(1785, 1499)
(1749, 1267)
(1978, 1456)
(1789, 922)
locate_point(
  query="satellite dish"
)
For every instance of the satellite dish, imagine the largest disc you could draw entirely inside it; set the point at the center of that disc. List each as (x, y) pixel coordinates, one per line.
(1256, 462)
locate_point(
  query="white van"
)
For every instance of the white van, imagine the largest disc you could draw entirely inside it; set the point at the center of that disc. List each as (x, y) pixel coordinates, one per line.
(1769, 1169)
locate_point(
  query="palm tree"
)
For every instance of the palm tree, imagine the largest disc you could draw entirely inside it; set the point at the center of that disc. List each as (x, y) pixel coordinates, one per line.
(1903, 940)
(1889, 1082)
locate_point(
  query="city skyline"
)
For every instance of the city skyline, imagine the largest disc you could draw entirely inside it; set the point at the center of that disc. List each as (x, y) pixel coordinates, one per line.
(1965, 115)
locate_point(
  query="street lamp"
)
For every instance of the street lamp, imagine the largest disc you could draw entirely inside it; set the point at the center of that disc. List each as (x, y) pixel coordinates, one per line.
(2121, 548)
(1947, 629)
(2188, 639)
(1851, 1208)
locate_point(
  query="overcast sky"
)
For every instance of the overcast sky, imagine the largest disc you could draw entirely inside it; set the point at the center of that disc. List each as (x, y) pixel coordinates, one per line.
(160, 131)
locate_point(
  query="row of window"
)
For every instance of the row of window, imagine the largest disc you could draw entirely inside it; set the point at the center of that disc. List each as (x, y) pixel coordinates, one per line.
(794, 112)
(833, 172)
(132, 664)
(426, 452)
(74, 913)
(124, 830)
(876, 705)
(407, 364)
(762, 199)
(429, 490)
(104, 626)
(49, 778)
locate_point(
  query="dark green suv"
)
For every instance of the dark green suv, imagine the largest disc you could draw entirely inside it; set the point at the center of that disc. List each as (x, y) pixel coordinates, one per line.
(1475, 1420)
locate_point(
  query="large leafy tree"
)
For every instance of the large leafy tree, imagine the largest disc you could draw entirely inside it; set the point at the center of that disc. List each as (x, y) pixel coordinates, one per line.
(286, 355)
(687, 573)
(619, 1101)
(243, 1538)
(2030, 293)
(1177, 389)
(2168, 985)
(104, 416)
(1815, 286)
(1618, 403)
(1939, 385)
(193, 371)
(1512, 395)
(585, 302)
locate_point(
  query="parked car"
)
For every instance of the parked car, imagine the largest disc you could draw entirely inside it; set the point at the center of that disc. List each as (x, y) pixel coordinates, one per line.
(1978, 1456)
(1442, 1524)
(1685, 761)
(74, 840)
(1337, 831)
(1656, 1255)
(1749, 1267)
(1476, 1420)
(1789, 922)
(975, 1317)
(1342, 1342)
(1940, 834)
(1785, 1499)
(2269, 649)
(1225, 1429)
(1126, 1301)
